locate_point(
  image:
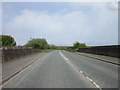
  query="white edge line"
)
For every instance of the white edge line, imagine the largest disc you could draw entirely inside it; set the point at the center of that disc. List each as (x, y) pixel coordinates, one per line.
(19, 73)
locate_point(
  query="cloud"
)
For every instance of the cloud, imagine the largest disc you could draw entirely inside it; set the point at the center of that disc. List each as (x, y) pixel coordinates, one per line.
(0, 18)
(113, 6)
(99, 27)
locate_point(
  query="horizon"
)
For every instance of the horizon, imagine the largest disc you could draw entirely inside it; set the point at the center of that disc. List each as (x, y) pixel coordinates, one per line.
(60, 23)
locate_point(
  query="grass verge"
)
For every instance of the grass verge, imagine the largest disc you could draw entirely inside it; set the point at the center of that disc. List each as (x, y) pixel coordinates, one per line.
(71, 50)
(47, 50)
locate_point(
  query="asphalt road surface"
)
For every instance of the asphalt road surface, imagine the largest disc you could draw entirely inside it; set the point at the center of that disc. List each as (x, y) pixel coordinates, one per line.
(62, 69)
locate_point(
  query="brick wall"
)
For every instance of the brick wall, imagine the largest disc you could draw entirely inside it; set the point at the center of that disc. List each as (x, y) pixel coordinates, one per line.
(103, 50)
(9, 53)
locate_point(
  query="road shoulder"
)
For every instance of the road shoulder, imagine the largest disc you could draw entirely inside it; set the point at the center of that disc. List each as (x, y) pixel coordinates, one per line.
(11, 68)
(108, 59)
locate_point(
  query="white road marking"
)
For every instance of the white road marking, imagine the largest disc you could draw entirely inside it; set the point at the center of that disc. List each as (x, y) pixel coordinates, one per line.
(80, 71)
(21, 72)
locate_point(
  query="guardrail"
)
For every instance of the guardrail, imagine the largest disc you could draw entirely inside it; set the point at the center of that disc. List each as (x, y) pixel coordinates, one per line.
(9, 53)
(103, 50)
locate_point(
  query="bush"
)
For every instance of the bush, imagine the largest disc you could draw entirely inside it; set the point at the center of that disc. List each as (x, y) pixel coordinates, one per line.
(7, 40)
(37, 43)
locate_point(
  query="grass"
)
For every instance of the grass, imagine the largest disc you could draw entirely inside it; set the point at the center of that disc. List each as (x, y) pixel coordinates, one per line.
(50, 50)
(71, 50)
(47, 50)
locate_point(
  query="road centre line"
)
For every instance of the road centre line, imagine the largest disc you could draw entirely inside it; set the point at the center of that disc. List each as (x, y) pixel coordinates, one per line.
(80, 71)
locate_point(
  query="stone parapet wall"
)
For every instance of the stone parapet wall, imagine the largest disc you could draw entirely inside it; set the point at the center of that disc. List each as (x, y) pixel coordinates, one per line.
(9, 53)
(112, 50)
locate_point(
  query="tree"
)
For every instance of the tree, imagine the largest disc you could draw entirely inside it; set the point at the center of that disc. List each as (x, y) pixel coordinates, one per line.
(78, 45)
(52, 46)
(7, 40)
(37, 43)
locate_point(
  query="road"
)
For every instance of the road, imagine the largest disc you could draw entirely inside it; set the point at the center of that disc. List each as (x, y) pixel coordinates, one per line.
(62, 69)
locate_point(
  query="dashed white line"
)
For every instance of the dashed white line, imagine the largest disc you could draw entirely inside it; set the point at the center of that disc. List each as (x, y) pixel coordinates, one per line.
(90, 79)
(80, 71)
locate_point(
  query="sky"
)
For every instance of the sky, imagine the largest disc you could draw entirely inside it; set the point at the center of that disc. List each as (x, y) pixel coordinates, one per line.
(62, 23)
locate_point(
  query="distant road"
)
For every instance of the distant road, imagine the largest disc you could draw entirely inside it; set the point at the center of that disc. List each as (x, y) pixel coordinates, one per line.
(62, 69)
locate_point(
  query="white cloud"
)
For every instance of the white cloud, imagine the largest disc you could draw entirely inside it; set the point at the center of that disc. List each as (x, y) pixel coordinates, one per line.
(60, 0)
(98, 27)
(0, 18)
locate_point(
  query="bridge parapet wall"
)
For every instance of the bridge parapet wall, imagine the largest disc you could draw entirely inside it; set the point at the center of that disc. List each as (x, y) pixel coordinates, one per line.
(9, 53)
(103, 50)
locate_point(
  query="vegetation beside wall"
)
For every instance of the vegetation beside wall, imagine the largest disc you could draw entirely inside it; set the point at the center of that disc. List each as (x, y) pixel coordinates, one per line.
(37, 43)
(7, 40)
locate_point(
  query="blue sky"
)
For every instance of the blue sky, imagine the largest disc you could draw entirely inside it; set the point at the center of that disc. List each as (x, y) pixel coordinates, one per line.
(61, 23)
